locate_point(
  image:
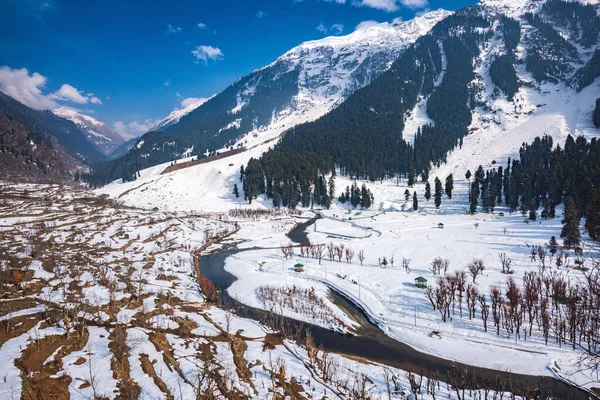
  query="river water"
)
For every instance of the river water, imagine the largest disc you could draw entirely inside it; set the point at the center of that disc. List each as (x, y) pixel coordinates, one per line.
(372, 344)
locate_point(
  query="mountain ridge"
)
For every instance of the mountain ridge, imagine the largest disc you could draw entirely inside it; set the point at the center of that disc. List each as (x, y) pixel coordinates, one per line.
(97, 132)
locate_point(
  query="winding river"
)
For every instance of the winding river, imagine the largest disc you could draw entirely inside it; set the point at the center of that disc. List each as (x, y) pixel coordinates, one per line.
(374, 345)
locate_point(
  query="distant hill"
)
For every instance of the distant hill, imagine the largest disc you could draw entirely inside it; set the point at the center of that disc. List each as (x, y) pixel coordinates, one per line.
(47, 124)
(97, 132)
(28, 156)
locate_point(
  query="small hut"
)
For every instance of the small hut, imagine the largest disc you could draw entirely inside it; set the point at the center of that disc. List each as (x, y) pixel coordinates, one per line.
(441, 226)
(421, 282)
(299, 267)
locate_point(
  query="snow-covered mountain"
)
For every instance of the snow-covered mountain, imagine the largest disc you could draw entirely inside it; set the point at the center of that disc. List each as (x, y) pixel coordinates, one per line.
(97, 132)
(176, 115)
(302, 85)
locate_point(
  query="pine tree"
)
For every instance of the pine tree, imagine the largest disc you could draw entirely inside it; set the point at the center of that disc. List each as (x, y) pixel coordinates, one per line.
(406, 195)
(365, 198)
(438, 193)
(331, 190)
(473, 195)
(242, 173)
(77, 176)
(415, 202)
(449, 185)
(570, 231)
(592, 220)
(411, 178)
(597, 114)
(427, 191)
(236, 192)
(468, 175)
(553, 245)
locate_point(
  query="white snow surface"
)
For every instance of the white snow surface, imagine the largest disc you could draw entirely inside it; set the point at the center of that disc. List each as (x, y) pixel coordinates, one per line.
(177, 114)
(96, 131)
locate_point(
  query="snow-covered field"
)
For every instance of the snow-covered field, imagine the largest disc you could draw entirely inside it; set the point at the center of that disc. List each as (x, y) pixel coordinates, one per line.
(100, 301)
(388, 294)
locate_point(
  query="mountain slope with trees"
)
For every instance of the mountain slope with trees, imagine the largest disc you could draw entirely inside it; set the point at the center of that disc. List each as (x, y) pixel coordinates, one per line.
(45, 123)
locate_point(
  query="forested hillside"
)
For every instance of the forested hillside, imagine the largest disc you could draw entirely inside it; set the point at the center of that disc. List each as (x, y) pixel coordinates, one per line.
(364, 136)
(46, 123)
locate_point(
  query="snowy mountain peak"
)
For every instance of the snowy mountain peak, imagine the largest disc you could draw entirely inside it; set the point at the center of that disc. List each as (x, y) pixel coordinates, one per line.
(188, 106)
(97, 132)
(376, 34)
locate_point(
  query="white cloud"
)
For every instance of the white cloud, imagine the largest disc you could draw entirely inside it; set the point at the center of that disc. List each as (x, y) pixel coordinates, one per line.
(191, 100)
(173, 29)
(69, 93)
(167, 83)
(366, 24)
(385, 5)
(414, 4)
(202, 25)
(397, 20)
(28, 8)
(134, 128)
(205, 53)
(335, 29)
(27, 87)
(261, 14)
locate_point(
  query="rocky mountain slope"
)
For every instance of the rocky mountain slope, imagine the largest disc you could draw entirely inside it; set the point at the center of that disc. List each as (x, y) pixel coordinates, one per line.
(97, 132)
(27, 156)
(52, 127)
(486, 69)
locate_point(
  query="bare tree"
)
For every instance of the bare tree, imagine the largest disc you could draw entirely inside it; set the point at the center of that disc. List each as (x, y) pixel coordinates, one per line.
(339, 252)
(361, 256)
(349, 255)
(476, 267)
(505, 261)
(287, 251)
(319, 251)
(406, 264)
(331, 251)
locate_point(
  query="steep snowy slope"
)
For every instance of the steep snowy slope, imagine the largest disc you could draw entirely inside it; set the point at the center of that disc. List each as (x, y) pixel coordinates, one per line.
(176, 115)
(97, 132)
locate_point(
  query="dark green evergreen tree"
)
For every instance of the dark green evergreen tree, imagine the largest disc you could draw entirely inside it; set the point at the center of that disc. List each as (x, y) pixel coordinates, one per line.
(236, 192)
(406, 195)
(592, 220)
(449, 185)
(553, 245)
(570, 231)
(597, 114)
(415, 202)
(427, 191)
(438, 193)
(411, 178)
(473, 196)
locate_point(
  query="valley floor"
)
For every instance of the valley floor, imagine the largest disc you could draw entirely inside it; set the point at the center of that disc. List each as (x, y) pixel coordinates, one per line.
(104, 301)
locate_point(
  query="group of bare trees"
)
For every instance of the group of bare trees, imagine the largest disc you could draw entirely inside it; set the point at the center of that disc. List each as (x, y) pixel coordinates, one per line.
(320, 250)
(256, 214)
(556, 305)
(338, 252)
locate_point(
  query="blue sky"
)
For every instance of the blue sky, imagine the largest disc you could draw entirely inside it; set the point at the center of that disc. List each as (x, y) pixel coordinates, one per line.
(132, 62)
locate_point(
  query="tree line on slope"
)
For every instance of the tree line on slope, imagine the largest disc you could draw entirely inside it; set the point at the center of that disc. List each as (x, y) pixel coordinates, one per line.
(544, 177)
